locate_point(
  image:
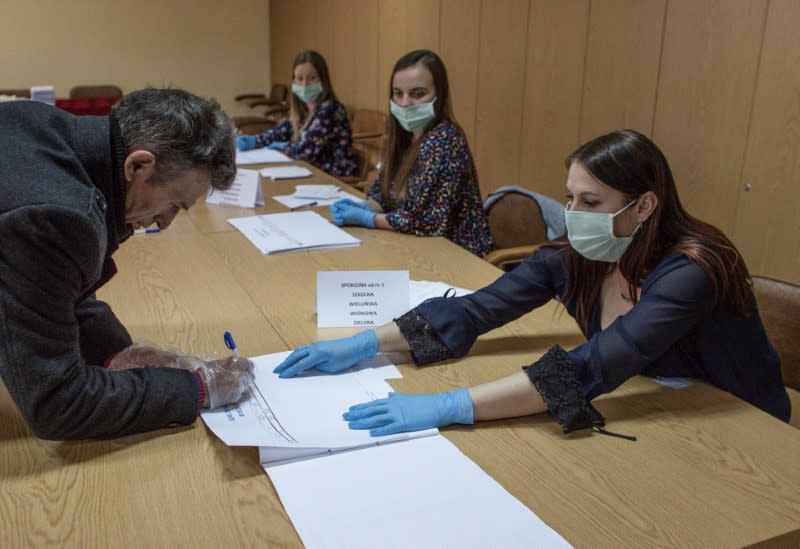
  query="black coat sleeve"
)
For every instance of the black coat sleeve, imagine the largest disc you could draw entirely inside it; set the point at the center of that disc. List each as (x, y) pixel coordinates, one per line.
(50, 258)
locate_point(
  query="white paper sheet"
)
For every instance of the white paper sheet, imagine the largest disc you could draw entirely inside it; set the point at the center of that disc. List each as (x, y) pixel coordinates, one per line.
(360, 298)
(420, 290)
(321, 192)
(292, 231)
(286, 172)
(293, 201)
(303, 412)
(261, 156)
(418, 493)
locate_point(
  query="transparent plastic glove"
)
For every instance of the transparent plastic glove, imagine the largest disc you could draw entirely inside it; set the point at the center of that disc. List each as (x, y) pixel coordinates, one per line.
(144, 355)
(227, 380)
(245, 142)
(330, 356)
(347, 212)
(401, 413)
(278, 145)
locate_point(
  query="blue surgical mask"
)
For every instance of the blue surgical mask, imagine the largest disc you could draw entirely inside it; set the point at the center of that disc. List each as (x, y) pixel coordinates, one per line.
(592, 234)
(307, 94)
(415, 117)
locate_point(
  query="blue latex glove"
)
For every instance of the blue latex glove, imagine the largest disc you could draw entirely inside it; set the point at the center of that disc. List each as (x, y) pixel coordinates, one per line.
(330, 356)
(361, 204)
(348, 212)
(245, 142)
(278, 145)
(401, 413)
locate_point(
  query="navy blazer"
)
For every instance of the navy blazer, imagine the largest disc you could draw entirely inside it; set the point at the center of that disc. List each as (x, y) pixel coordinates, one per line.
(676, 329)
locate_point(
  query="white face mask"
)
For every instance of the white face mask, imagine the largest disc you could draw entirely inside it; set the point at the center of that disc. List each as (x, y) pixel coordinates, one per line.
(592, 234)
(415, 117)
(307, 94)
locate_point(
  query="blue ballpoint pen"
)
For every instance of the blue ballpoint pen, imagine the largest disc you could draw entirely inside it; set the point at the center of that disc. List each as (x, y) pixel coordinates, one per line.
(231, 344)
(148, 230)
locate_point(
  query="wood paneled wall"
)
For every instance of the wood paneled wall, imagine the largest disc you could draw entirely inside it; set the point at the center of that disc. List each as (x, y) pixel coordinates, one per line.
(716, 83)
(205, 46)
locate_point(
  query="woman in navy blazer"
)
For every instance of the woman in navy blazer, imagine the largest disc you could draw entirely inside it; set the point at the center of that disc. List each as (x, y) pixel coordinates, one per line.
(654, 290)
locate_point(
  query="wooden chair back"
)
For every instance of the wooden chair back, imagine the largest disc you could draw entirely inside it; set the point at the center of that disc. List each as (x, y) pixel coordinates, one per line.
(779, 307)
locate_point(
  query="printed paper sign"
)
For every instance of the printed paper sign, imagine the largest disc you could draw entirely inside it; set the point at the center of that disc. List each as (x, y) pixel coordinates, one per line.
(360, 298)
(244, 193)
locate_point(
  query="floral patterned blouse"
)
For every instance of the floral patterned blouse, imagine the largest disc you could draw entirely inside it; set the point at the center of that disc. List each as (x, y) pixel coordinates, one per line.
(326, 142)
(443, 196)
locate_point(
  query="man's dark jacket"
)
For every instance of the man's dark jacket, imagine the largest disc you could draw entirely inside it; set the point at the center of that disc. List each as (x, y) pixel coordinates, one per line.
(62, 216)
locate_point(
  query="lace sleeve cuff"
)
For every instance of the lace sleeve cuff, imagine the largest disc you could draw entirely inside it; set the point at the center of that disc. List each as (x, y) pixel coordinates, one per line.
(426, 347)
(556, 380)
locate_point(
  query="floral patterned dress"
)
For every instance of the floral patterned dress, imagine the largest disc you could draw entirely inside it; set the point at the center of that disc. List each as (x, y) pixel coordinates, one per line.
(326, 142)
(443, 195)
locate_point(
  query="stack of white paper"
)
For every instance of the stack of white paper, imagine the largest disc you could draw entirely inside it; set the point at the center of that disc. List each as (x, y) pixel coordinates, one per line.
(420, 493)
(293, 231)
(344, 488)
(314, 195)
(302, 416)
(320, 192)
(261, 156)
(286, 172)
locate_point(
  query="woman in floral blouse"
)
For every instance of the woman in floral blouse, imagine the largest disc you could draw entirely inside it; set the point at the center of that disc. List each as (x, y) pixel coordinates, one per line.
(317, 129)
(428, 185)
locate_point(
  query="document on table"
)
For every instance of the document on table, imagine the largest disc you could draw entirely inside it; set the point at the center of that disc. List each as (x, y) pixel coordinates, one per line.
(261, 156)
(315, 195)
(420, 290)
(317, 192)
(292, 231)
(286, 172)
(344, 488)
(421, 493)
(302, 416)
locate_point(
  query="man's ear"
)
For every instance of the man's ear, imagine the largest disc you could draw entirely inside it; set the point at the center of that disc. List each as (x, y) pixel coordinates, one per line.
(140, 166)
(647, 205)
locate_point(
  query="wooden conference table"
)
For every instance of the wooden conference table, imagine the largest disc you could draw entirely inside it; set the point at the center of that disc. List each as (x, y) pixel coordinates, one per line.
(707, 470)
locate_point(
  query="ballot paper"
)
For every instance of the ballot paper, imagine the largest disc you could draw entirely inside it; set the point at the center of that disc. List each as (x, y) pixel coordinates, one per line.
(261, 156)
(320, 192)
(421, 493)
(286, 172)
(292, 231)
(302, 416)
(245, 192)
(343, 488)
(293, 201)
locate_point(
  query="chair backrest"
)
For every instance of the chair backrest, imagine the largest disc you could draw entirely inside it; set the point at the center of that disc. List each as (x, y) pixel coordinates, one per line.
(779, 307)
(362, 162)
(369, 121)
(20, 92)
(85, 92)
(515, 220)
(278, 93)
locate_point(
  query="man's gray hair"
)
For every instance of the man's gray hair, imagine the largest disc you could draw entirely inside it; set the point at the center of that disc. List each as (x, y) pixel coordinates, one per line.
(182, 130)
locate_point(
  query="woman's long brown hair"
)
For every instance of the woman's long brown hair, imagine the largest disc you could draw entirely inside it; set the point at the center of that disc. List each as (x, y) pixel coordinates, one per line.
(298, 111)
(400, 152)
(632, 164)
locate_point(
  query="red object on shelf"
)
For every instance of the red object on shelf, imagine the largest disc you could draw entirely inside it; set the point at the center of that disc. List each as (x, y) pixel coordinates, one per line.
(97, 106)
